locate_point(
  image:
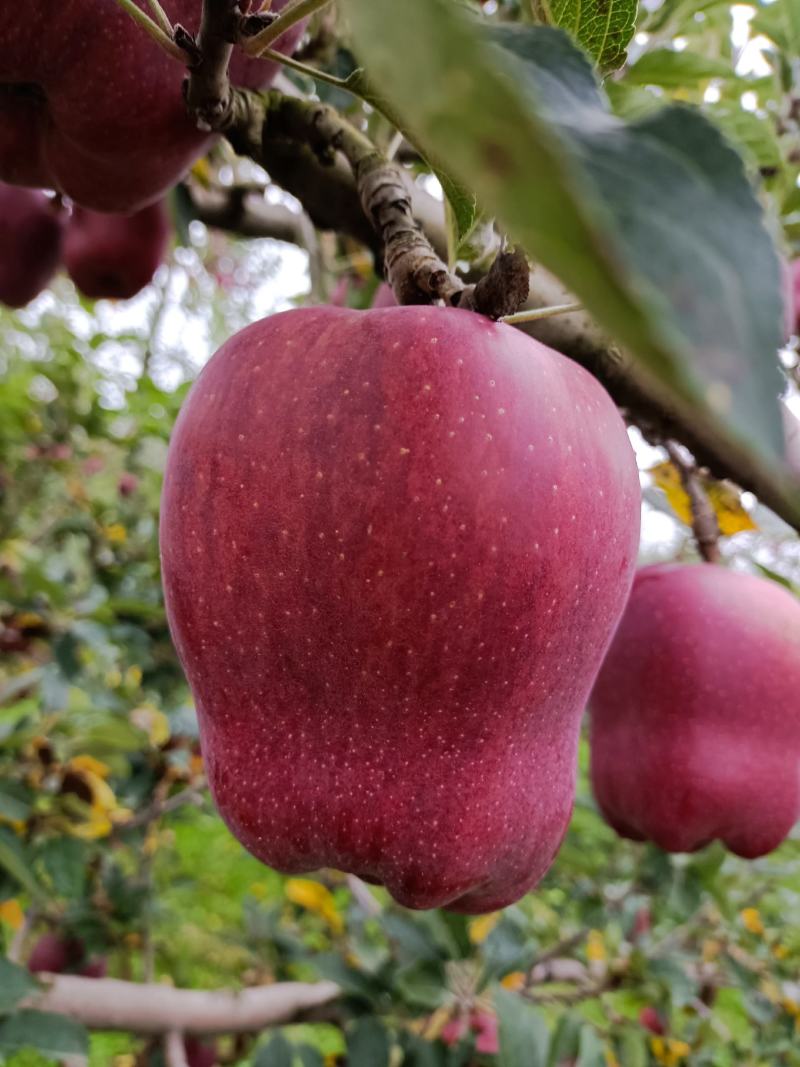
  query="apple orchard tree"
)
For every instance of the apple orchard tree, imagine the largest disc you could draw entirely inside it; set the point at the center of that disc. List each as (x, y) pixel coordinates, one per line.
(294, 765)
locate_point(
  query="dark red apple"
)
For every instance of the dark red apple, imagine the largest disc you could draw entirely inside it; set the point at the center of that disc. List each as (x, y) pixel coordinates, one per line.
(792, 298)
(128, 484)
(115, 256)
(91, 106)
(31, 232)
(695, 717)
(199, 1053)
(56, 954)
(652, 1020)
(395, 546)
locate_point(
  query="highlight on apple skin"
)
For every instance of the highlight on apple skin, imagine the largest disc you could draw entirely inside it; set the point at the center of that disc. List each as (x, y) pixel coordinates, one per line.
(395, 546)
(695, 716)
(31, 235)
(115, 256)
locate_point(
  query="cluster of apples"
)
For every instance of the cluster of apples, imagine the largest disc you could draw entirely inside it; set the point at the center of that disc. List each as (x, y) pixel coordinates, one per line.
(396, 546)
(91, 108)
(106, 256)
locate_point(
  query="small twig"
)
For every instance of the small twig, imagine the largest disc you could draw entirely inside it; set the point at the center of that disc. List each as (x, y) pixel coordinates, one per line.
(704, 519)
(175, 1049)
(163, 807)
(535, 314)
(291, 14)
(153, 29)
(208, 88)
(311, 72)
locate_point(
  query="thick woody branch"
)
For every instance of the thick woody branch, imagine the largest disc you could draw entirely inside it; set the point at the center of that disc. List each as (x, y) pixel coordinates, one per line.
(110, 1004)
(704, 520)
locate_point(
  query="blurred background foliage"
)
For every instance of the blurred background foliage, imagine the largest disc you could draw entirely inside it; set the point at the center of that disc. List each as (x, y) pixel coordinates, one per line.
(624, 956)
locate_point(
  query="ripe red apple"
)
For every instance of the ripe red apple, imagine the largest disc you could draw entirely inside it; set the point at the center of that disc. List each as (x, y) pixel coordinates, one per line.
(91, 106)
(56, 954)
(395, 546)
(199, 1054)
(31, 231)
(695, 716)
(652, 1020)
(115, 256)
(482, 1023)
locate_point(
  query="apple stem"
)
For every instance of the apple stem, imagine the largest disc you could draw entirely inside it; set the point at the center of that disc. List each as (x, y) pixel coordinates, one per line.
(705, 525)
(535, 314)
(291, 14)
(161, 17)
(153, 29)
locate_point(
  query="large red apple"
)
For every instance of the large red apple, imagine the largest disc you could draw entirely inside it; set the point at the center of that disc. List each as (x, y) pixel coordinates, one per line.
(91, 106)
(31, 231)
(695, 717)
(115, 256)
(395, 546)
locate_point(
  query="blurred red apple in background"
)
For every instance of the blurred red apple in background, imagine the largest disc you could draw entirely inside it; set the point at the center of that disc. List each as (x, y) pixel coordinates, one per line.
(115, 256)
(31, 232)
(395, 546)
(695, 716)
(92, 107)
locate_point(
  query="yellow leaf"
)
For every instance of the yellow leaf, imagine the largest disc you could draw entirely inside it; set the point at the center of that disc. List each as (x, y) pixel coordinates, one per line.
(201, 171)
(725, 500)
(133, 677)
(595, 947)
(316, 898)
(514, 981)
(152, 722)
(11, 913)
(611, 1059)
(89, 765)
(480, 928)
(780, 952)
(790, 1006)
(752, 921)
(116, 534)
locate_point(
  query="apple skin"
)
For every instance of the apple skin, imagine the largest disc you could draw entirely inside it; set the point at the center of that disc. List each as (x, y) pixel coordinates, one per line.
(31, 234)
(652, 1020)
(115, 256)
(395, 545)
(92, 107)
(199, 1054)
(695, 716)
(57, 954)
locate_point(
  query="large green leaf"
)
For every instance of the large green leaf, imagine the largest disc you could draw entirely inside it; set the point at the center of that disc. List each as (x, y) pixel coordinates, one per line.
(15, 984)
(55, 1035)
(524, 1036)
(602, 27)
(652, 223)
(676, 70)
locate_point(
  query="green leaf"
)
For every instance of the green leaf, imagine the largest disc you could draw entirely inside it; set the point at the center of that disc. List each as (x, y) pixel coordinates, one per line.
(55, 1035)
(15, 984)
(14, 859)
(462, 213)
(566, 1040)
(633, 1049)
(15, 801)
(277, 1053)
(603, 28)
(730, 1010)
(368, 1044)
(64, 860)
(676, 70)
(591, 1051)
(635, 218)
(754, 135)
(309, 1057)
(523, 1032)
